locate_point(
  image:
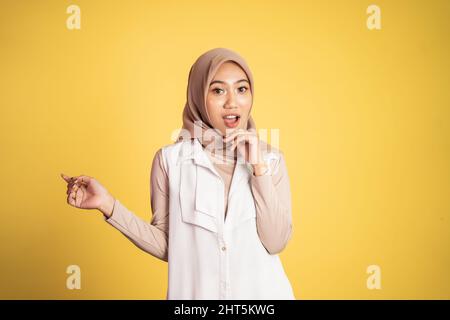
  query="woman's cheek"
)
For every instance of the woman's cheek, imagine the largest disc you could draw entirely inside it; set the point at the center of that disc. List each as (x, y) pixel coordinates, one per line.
(246, 102)
(213, 106)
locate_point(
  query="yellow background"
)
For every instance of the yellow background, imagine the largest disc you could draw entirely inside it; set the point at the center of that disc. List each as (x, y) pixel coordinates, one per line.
(363, 118)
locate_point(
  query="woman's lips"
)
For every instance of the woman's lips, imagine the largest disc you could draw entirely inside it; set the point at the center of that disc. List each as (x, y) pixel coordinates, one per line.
(232, 122)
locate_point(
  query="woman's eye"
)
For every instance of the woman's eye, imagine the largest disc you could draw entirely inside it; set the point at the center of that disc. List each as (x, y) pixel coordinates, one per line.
(240, 89)
(217, 90)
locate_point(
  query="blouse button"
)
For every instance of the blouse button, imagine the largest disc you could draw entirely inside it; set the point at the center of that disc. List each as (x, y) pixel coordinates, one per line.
(224, 248)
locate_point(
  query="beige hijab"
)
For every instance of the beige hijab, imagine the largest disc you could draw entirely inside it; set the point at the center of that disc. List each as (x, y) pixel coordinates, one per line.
(196, 120)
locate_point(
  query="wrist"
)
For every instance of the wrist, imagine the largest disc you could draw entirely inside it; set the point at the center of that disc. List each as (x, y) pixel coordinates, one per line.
(260, 169)
(107, 206)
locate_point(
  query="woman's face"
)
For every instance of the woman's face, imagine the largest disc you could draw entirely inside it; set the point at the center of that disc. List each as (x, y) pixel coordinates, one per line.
(229, 98)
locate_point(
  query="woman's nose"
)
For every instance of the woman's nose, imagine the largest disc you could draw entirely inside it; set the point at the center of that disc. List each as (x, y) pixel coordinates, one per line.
(231, 101)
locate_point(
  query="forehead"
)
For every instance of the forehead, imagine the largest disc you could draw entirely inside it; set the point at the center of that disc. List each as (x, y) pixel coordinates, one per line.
(231, 70)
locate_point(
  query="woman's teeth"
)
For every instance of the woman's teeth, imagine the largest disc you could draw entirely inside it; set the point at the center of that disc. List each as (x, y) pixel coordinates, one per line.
(231, 121)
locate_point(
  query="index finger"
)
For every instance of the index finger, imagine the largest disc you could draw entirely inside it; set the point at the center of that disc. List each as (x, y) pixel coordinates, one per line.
(233, 134)
(84, 179)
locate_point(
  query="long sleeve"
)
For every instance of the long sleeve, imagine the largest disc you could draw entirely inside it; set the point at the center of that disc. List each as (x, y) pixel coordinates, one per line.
(272, 197)
(151, 237)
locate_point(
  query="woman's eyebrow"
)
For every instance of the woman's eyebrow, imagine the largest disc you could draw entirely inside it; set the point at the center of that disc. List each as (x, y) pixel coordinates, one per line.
(220, 81)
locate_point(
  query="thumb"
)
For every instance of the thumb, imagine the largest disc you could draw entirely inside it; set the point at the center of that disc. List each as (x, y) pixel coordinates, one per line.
(66, 178)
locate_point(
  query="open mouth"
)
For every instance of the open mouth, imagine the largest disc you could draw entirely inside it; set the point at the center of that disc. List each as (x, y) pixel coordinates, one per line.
(232, 121)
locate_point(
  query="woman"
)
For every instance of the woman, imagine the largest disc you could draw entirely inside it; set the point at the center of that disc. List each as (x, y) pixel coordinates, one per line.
(220, 196)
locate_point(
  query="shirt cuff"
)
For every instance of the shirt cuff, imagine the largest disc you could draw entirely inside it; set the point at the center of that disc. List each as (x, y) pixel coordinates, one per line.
(267, 172)
(116, 212)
